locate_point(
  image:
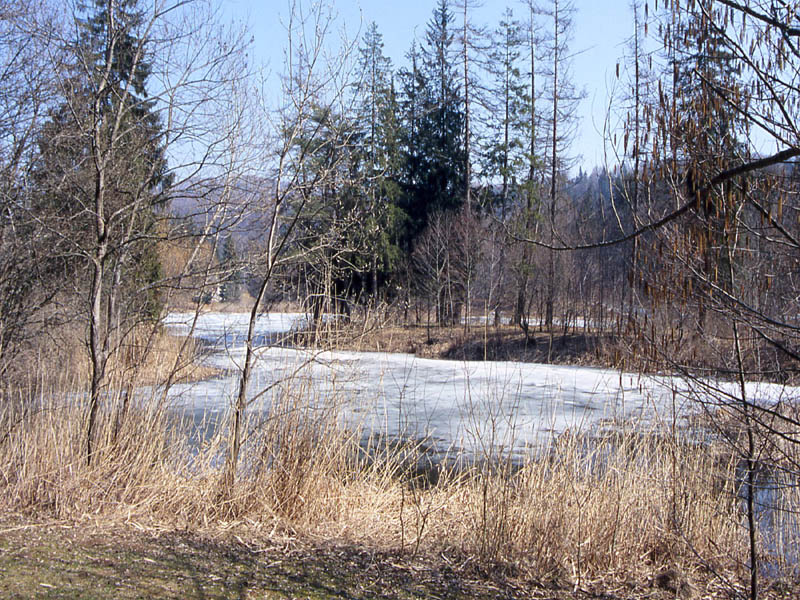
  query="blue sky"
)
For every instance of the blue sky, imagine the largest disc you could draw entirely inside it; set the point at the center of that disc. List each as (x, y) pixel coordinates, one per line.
(600, 31)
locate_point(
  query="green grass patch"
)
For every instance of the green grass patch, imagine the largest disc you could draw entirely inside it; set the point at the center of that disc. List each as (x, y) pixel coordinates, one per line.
(56, 562)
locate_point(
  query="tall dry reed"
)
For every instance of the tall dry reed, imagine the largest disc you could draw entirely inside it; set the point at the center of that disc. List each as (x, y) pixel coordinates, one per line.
(624, 505)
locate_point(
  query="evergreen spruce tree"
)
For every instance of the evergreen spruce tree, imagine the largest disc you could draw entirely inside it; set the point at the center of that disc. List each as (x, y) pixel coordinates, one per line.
(107, 116)
(411, 103)
(100, 179)
(709, 138)
(443, 117)
(230, 290)
(432, 142)
(505, 149)
(432, 153)
(709, 132)
(330, 236)
(378, 148)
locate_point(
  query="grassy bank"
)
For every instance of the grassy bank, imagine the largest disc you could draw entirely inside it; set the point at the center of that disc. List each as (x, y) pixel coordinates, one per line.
(629, 345)
(591, 515)
(146, 355)
(84, 561)
(65, 560)
(314, 513)
(504, 342)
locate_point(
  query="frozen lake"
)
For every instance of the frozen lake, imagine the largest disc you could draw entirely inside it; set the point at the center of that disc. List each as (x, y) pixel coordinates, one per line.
(459, 405)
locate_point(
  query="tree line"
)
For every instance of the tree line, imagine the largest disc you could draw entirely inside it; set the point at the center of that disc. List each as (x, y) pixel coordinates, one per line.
(128, 137)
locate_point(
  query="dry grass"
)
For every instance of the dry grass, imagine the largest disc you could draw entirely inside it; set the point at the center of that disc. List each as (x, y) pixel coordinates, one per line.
(505, 342)
(619, 346)
(777, 458)
(149, 355)
(650, 345)
(588, 513)
(146, 355)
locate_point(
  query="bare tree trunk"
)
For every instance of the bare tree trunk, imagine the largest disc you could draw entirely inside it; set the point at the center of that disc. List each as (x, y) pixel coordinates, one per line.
(467, 131)
(520, 309)
(241, 395)
(292, 183)
(97, 356)
(98, 348)
(240, 406)
(553, 174)
(749, 425)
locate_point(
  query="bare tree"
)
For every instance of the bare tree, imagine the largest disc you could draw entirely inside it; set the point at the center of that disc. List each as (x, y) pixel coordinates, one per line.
(28, 253)
(124, 134)
(312, 90)
(563, 102)
(431, 260)
(724, 230)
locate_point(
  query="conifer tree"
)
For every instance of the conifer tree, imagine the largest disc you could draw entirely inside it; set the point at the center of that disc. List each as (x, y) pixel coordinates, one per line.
(378, 148)
(563, 99)
(709, 137)
(230, 290)
(100, 178)
(443, 116)
(411, 104)
(434, 158)
(505, 150)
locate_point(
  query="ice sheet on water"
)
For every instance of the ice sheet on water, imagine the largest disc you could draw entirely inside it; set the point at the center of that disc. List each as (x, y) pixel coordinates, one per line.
(228, 330)
(471, 405)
